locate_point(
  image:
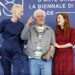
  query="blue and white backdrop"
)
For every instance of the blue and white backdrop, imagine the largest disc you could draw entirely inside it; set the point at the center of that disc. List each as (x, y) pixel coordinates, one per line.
(52, 7)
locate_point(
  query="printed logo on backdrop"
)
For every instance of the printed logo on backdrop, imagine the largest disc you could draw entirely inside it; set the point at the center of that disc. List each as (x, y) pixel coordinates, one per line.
(54, 6)
(5, 7)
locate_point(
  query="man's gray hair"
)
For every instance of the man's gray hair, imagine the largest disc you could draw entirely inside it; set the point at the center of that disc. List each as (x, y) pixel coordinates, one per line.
(39, 10)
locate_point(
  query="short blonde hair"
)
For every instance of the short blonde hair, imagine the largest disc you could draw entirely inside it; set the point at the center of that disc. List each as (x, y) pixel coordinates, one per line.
(16, 6)
(39, 10)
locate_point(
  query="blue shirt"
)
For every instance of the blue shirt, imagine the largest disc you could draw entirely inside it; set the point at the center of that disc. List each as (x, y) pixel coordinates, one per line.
(11, 34)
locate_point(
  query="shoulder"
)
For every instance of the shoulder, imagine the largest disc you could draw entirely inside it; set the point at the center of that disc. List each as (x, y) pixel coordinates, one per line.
(71, 29)
(5, 21)
(49, 28)
(32, 27)
(21, 24)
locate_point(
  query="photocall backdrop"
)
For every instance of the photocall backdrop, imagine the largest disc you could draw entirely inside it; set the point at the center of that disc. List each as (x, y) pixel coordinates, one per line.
(52, 8)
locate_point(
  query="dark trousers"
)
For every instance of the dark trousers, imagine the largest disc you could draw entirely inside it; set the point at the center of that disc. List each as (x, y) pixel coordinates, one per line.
(9, 57)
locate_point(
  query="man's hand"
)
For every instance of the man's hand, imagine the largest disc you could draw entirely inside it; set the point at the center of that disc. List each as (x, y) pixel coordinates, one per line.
(52, 48)
(46, 57)
(30, 21)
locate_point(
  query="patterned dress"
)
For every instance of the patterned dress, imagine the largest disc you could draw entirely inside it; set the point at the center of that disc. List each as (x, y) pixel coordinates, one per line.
(64, 57)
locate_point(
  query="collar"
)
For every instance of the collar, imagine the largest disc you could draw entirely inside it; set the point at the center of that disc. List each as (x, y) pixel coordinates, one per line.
(45, 27)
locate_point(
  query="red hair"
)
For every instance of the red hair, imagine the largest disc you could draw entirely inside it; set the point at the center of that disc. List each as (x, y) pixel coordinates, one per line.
(66, 25)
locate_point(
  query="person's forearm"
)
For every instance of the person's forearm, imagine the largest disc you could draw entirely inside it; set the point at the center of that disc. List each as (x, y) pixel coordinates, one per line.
(66, 45)
(25, 33)
(52, 50)
(56, 45)
(63, 46)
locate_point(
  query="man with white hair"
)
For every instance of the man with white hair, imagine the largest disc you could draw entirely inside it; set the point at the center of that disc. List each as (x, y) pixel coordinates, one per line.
(39, 47)
(13, 45)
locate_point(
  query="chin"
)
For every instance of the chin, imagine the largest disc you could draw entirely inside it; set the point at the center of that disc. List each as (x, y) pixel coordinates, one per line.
(59, 24)
(19, 17)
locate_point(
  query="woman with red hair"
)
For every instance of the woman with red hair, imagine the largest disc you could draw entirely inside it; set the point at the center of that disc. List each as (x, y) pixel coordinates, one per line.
(65, 38)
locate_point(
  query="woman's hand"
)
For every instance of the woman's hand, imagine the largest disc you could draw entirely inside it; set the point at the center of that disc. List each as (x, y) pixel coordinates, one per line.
(57, 45)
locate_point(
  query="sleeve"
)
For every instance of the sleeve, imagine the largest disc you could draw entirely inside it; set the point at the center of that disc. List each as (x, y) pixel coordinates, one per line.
(52, 48)
(22, 26)
(52, 51)
(53, 40)
(72, 37)
(2, 26)
(25, 33)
